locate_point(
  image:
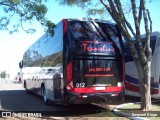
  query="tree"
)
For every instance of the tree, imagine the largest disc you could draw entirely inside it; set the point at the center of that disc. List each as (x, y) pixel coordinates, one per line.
(3, 74)
(143, 56)
(24, 11)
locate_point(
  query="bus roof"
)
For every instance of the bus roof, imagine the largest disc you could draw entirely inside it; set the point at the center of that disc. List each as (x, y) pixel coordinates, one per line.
(92, 19)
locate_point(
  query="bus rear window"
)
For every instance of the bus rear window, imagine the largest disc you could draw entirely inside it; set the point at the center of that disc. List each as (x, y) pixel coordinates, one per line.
(95, 31)
(97, 72)
(85, 30)
(94, 38)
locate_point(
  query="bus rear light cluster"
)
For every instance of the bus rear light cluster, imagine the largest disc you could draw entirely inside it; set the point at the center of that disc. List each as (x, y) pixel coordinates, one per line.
(65, 27)
(119, 84)
(69, 72)
(114, 95)
(69, 88)
(69, 77)
(82, 96)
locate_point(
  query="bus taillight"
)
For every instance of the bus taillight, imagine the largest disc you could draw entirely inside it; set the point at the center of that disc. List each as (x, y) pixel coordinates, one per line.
(114, 95)
(64, 26)
(69, 77)
(82, 96)
(119, 84)
(69, 87)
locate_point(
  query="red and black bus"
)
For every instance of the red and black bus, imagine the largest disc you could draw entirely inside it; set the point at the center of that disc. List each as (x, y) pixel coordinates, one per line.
(82, 63)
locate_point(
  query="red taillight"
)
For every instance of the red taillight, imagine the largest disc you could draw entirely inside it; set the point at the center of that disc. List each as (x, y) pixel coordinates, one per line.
(69, 88)
(65, 27)
(69, 77)
(82, 96)
(69, 72)
(114, 95)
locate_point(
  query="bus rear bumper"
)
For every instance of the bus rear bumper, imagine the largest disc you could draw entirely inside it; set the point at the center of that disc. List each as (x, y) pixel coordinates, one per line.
(76, 98)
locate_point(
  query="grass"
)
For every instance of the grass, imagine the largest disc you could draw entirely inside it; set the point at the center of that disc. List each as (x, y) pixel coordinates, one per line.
(134, 110)
(104, 115)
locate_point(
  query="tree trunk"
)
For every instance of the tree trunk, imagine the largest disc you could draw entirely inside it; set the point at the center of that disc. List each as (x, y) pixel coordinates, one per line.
(145, 88)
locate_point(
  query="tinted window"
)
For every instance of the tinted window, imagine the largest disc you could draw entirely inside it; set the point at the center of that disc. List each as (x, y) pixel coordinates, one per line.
(109, 31)
(128, 55)
(97, 72)
(53, 51)
(50, 71)
(95, 38)
(85, 30)
(95, 31)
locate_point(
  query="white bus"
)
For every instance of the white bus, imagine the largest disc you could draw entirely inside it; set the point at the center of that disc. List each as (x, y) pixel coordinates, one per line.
(132, 82)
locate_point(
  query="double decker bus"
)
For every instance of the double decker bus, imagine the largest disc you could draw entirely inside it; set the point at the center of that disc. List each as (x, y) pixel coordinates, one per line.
(132, 79)
(82, 63)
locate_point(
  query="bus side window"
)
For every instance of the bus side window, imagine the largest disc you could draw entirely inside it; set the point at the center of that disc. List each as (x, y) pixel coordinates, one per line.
(158, 43)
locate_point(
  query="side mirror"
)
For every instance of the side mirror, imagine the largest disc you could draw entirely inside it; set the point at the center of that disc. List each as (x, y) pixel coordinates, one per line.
(21, 64)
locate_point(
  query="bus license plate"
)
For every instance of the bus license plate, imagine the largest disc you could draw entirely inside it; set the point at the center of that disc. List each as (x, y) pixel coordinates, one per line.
(99, 88)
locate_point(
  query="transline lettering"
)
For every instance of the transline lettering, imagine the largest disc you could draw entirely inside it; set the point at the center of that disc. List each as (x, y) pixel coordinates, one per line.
(103, 48)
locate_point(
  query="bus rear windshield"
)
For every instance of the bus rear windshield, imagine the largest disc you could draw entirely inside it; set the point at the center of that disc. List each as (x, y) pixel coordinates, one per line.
(94, 31)
(94, 38)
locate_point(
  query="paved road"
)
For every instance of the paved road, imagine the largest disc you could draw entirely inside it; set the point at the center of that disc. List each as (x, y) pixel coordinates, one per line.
(14, 98)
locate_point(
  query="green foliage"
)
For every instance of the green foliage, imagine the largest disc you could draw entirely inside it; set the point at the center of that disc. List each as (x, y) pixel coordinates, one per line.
(19, 12)
(94, 11)
(13, 1)
(50, 27)
(79, 3)
(92, 8)
(3, 74)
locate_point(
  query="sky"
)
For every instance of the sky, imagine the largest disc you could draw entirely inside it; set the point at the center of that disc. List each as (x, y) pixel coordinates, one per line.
(12, 46)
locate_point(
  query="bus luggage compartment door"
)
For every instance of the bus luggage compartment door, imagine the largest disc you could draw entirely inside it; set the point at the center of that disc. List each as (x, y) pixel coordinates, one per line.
(96, 73)
(57, 86)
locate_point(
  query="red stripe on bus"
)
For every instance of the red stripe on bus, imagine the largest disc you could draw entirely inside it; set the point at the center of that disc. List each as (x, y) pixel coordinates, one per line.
(69, 72)
(135, 88)
(132, 87)
(65, 27)
(92, 90)
(154, 91)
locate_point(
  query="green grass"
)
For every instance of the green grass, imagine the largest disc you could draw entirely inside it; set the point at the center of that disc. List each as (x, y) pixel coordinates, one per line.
(134, 110)
(104, 115)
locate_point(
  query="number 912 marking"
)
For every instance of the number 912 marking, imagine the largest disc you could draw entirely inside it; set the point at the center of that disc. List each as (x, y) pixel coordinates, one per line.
(80, 85)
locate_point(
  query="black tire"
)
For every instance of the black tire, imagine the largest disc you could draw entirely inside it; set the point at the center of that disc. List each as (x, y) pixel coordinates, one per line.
(44, 94)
